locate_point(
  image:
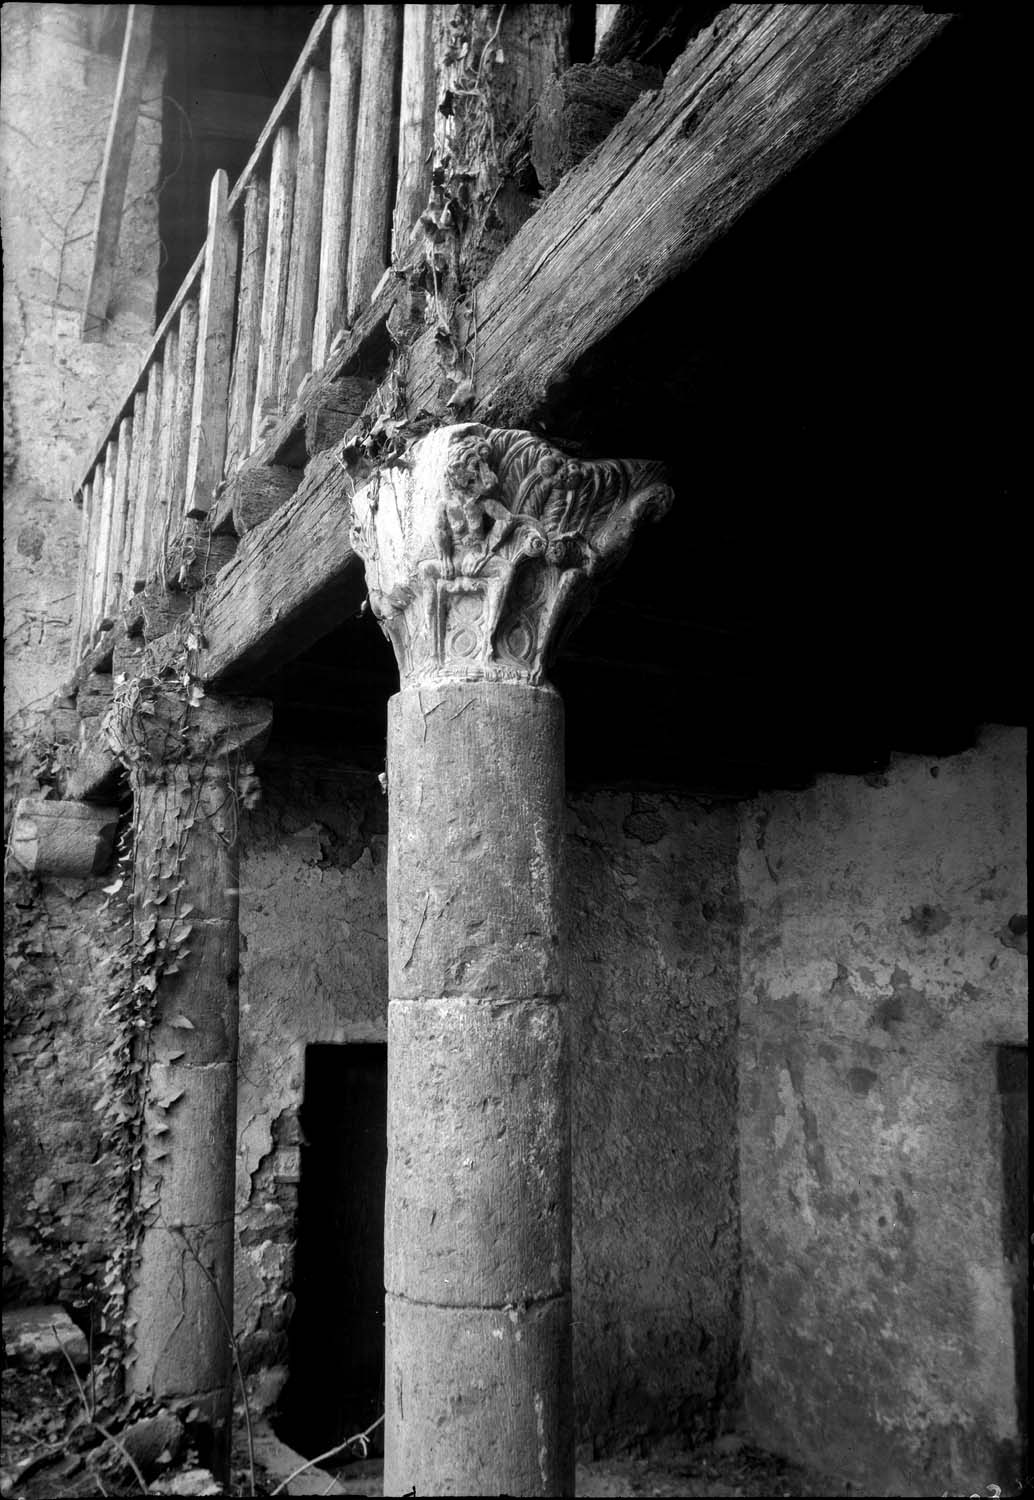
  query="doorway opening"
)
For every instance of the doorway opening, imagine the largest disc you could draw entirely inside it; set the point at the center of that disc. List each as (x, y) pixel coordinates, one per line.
(336, 1341)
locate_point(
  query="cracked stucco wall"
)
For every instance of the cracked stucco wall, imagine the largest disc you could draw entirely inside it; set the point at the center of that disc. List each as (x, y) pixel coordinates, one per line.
(59, 393)
(882, 964)
(653, 916)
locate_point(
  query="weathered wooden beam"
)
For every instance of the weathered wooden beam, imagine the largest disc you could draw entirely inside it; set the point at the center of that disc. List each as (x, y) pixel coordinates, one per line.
(133, 496)
(376, 151)
(258, 493)
(292, 579)
(214, 352)
(346, 47)
(750, 97)
(303, 276)
(416, 124)
(118, 150)
(274, 285)
(249, 324)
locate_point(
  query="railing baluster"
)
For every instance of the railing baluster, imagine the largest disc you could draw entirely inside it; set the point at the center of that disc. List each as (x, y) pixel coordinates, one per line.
(116, 546)
(148, 479)
(135, 470)
(249, 324)
(214, 352)
(158, 514)
(183, 409)
(274, 288)
(416, 124)
(376, 153)
(100, 555)
(80, 583)
(346, 48)
(303, 276)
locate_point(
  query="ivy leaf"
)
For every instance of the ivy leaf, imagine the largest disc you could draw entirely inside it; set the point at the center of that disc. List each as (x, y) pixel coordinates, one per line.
(113, 890)
(183, 1024)
(160, 1129)
(146, 982)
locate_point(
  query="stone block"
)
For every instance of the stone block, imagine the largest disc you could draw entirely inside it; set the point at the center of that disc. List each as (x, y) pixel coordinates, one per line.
(63, 838)
(34, 1338)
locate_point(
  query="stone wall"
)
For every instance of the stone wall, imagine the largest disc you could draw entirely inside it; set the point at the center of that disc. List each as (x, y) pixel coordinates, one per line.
(55, 104)
(653, 981)
(883, 964)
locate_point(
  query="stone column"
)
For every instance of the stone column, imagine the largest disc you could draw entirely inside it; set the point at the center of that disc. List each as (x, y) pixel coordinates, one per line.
(186, 767)
(479, 553)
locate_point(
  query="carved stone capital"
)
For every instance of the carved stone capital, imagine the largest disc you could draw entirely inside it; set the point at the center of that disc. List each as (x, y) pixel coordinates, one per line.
(484, 545)
(156, 730)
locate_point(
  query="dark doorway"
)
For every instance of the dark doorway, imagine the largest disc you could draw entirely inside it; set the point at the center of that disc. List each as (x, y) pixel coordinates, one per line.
(1012, 1091)
(336, 1357)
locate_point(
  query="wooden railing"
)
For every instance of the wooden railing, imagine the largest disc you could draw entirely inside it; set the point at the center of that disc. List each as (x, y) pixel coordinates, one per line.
(292, 254)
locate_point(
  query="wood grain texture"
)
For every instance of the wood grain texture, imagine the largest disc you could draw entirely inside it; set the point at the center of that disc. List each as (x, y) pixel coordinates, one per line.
(183, 409)
(135, 492)
(303, 275)
(149, 477)
(346, 48)
(214, 353)
(292, 579)
(274, 285)
(748, 99)
(117, 544)
(100, 556)
(249, 324)
(376, 153)
(416, 124)
(158, 529)
(85, 525)
(118, 151)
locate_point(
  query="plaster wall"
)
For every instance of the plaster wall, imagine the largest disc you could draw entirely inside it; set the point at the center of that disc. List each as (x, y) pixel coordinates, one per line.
(653, 920)
(883, 961)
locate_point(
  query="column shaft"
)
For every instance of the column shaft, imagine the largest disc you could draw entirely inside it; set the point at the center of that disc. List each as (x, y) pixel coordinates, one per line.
(477, 1235)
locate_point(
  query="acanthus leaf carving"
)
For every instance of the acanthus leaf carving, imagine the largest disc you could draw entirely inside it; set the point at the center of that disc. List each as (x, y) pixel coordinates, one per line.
(488, 543)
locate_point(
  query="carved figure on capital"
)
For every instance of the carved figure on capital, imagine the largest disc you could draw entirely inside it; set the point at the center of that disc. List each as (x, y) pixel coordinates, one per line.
(483, 550)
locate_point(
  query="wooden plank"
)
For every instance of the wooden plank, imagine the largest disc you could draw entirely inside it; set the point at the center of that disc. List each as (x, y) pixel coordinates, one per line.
(118, 150)
(274, 287)
(100, 556)
(149, 476)
(183, 411)
(282, 107)
(346, 47)
(376, 153)
(249, 324)
(158, 526)
(214, 353)
(416, 124)
(135, 467)
(293, 579)
(81, 573)
(748, 99)
(117, 544)
(303, 276)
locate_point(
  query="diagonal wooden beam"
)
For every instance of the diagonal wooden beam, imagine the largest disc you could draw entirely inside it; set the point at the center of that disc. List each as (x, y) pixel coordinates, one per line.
(752, 95)
(748, 100)
(118, 151)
